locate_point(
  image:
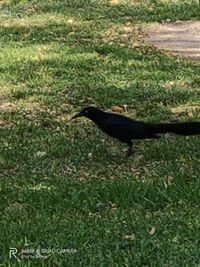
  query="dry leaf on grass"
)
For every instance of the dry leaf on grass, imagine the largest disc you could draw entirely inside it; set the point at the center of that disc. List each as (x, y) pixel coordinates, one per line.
(119, 109)
(152, 231)
(129, 237)
(40, 154)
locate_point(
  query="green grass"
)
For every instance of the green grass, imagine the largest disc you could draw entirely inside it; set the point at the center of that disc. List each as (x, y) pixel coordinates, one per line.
(65, 185)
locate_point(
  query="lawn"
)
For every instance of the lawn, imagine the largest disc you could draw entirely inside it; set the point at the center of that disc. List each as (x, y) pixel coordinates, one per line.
(66, 186)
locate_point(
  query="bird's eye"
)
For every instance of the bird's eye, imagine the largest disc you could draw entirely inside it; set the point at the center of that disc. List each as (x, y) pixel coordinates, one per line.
(86, 111)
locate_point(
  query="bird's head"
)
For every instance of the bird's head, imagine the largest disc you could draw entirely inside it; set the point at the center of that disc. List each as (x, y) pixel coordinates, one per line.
(88, 112)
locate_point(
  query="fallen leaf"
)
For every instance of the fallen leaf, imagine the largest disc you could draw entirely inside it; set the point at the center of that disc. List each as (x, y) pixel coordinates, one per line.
(70, 21)
(129, 237)
(71, 33)
(119, 109)
(151, 9)
(40, 154)
(152, 231)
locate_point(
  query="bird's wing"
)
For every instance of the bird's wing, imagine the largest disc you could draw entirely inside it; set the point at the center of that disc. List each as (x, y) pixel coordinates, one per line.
(125, 129)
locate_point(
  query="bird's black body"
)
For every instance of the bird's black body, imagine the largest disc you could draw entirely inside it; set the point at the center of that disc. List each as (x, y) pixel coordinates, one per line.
(126, 129)
(123, 128)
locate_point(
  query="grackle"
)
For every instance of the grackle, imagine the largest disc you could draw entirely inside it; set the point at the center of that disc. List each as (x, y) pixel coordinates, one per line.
(126, 129)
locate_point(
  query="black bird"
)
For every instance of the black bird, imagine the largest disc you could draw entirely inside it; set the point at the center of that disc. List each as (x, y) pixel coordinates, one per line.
(126, 129)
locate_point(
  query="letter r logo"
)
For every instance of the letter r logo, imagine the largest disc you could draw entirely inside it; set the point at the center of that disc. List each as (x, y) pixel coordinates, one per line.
(13, 252)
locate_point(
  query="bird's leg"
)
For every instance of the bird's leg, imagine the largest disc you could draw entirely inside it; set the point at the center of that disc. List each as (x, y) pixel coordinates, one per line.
(130, 149)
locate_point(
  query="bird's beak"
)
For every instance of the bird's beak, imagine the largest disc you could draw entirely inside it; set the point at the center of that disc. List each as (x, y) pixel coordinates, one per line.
(79, 114)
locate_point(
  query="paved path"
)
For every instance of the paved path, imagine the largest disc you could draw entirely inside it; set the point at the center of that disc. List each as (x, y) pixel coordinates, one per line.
(182, 38)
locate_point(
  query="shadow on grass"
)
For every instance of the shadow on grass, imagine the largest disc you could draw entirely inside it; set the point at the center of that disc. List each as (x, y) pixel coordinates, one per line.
(75, 75)
(47, 33)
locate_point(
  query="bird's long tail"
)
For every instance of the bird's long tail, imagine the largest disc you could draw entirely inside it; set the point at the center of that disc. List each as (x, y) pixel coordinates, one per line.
(184, 128)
